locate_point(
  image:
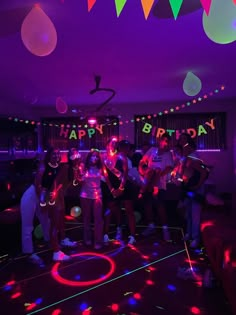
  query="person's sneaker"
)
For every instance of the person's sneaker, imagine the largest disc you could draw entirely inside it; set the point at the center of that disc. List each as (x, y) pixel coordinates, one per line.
(194, 244)
(68, 243)
(166, 234)
(97, 246)
(131, 240)
(36, 260)
(151, 229)
(186, 237)
(60, 256)
(106, 239)
(88, 243)
(118, 234)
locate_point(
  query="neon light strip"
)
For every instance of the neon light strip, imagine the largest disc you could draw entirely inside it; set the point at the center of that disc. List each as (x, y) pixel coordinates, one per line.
(209, 150)
(106, 282)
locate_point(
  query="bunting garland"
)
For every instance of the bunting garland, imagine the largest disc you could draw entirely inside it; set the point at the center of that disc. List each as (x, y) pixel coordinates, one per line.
(122, 122)
(175, 6)
(206, 4)
(147, 5)
(119, 6)
(91, 4)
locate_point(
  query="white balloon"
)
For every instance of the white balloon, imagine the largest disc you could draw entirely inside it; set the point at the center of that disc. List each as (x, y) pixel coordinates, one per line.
(38, 33)
(192, 85)
(220, 24)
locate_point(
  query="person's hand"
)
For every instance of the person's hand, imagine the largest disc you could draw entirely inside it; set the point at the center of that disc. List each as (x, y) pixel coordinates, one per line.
(140, 195)
(117, 192)
(155, 191)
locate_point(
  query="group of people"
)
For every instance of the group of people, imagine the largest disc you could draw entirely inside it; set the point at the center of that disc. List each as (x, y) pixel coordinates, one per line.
(107, 182)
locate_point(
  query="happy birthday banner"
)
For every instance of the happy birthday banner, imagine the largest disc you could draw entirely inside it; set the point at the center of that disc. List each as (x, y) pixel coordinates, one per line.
(148, 4)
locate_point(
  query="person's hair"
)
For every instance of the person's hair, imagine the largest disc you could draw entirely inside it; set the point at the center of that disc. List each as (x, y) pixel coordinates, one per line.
(165, 135)
(48, 154)
(88, 158)
(187, 135)
(192, 144)
(71, 153)
(178, 147)
(132, 147)
(124, 144)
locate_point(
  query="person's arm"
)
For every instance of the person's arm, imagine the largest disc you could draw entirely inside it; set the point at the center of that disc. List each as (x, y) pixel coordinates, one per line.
(124, 175)
(106, 177)
(38, 178)
(197, 165)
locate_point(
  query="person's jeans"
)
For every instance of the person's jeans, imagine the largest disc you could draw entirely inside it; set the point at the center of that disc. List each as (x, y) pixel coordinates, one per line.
(29, 207)
(193, 205)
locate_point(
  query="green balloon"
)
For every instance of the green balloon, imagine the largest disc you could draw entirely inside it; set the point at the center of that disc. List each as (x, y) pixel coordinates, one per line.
(220, 24)
(38, 233)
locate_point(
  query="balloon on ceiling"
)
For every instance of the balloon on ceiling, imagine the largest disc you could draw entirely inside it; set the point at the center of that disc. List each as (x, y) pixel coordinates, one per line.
(192, 85)
(220, 24)
(61, 106)
(38, 33)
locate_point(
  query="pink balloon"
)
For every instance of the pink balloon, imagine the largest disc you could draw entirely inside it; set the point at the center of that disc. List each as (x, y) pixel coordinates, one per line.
(61, 105)
(38, 32)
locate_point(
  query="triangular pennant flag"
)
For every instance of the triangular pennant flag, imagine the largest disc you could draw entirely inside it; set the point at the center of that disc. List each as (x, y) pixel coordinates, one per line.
(147, 5)
(206, 4)
(119, 6)
(175, 6)
(91, 4)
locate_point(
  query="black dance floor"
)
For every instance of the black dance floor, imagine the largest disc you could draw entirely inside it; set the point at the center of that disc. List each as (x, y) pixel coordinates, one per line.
(152, 277)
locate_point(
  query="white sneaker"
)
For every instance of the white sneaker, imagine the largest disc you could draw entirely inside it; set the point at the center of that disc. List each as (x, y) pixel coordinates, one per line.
(106, 239)
(60, 256)
(118, 234)
(68, 243)
(131, 240)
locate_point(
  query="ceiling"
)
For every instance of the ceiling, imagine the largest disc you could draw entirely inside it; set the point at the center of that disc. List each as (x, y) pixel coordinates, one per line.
(141, 60)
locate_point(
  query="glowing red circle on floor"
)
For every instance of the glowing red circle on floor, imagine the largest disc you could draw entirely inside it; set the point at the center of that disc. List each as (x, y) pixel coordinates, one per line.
(57, 277)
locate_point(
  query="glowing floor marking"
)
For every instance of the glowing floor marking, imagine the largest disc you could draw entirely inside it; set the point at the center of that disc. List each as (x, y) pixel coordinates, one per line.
(106, 282)
(63, 267)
